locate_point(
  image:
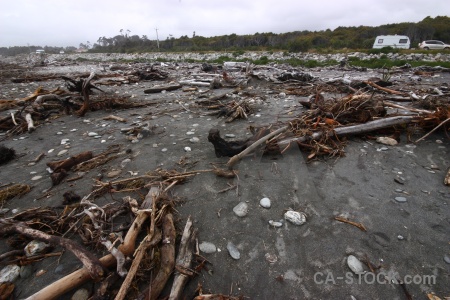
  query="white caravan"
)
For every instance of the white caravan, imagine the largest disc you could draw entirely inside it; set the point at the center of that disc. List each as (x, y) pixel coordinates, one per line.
(394, 41)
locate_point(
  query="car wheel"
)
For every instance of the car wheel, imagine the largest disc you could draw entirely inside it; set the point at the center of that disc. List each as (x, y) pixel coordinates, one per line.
(446, 48)
(426, 48)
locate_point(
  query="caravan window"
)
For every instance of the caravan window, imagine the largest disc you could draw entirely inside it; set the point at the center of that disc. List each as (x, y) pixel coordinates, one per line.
(380, 41)
(403, 41)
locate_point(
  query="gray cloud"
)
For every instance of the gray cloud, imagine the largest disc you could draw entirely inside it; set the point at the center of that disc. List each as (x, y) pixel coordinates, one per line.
(69, 23)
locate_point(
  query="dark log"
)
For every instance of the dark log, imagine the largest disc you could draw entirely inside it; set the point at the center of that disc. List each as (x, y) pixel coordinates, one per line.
(70, 162)
(225, 148)
(158, 89)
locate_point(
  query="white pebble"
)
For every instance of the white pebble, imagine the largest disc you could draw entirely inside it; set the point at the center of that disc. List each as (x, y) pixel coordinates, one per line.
(354, 264)
(295, 217)
(265, 202)
(241, 209)
(62, 152)
(187, 149)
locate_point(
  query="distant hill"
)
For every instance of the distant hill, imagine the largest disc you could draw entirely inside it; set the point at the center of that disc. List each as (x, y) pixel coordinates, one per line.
(361, 37)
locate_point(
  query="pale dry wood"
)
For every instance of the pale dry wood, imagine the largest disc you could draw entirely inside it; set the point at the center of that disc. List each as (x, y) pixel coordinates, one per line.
(149, 241)
(184, 260)
(30, 123)
(390, 91)
(167, 251)
(355, 129)
(115, 118)
(75, 279)
(232, 161)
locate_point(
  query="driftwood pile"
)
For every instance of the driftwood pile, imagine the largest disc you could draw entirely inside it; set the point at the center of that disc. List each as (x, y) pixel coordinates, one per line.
(131, 270)
(321, 130)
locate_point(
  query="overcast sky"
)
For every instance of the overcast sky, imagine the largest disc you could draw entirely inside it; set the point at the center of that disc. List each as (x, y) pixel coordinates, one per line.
(71, 22)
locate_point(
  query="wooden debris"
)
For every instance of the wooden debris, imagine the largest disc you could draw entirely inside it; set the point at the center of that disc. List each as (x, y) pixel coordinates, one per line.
(70, 162)
(85, 90)
(115, 118)
(158, 89)
(236, 158)
(383, 88)
(167, 251)
(91, 263)
(73, 280)
(10, 192)
(184, 260)
(356, 224)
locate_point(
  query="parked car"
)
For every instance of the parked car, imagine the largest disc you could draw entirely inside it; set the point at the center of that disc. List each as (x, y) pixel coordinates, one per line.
(432, 44)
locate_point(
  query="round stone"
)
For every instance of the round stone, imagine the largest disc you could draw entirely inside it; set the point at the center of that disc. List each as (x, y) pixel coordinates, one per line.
(187, 149)
(194, 140)
(400, 199)
(241, 210)
(265, 202)
(91, 134)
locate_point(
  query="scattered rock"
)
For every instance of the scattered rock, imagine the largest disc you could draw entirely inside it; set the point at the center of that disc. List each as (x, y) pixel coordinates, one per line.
(387, 141)
(81, 294)
(9, 273)
(400, 199)
(234, 252)
(447, 258)
(271, 258)
(194, 140)
(400, 180)
(275, 223)
(265, 202)
(26, 271)
(36, 247)
(295, 217)
(355, 265)
(241, 210)
(207, 247)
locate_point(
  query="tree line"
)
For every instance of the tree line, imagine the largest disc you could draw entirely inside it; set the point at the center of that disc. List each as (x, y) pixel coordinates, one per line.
(361, 37)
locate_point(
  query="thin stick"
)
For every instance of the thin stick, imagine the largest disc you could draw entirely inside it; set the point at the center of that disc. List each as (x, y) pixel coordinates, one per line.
(434, 129)
(252, 147)
(356, 224)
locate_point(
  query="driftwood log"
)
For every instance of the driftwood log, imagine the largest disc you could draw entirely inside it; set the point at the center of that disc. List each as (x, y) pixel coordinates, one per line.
(184, 260)
(340, 131)
(149, 241)
(158, 89)
(70, 162)
(167, 258)
(85, 92)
